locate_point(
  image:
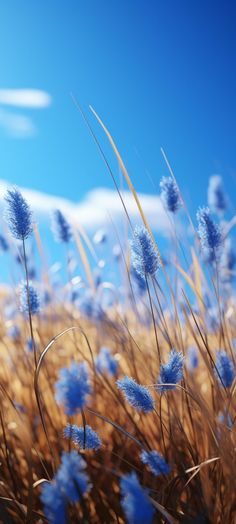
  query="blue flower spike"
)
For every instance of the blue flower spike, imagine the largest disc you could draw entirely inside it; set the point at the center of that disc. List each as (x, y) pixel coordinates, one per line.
(136, 395)
(144, 257)
(18, 214)
(170, 194)
(155, 462)
(61, 228)
(85, 438)
(171, 372)
(135, 502)
(73, 387)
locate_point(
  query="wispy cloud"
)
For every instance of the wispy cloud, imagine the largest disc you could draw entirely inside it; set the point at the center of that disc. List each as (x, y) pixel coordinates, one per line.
(17, 125)
(31, 98)
(97, 208)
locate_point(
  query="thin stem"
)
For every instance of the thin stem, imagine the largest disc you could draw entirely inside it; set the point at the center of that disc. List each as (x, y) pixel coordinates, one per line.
(84, 426)
(162, 432)
(153, 319)
(28, 303)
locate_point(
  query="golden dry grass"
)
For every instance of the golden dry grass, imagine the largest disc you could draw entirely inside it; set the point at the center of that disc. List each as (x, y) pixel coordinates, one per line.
(185, 427)
(186, 430)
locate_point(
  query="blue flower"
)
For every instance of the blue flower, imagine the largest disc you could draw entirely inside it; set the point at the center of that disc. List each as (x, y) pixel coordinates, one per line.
(217, 200)
(69, 485)
(18, 214)
(29, 345)
(46, 297)
(135, 502)
(14, 332)
(3, 243)
(87, 439)
(228, 261)
(90, 307)
(138, 396)
(105, 362)
(209, 233)
(225, 418)
(144, 257)
(60, 227)
(71, 478)
(172, 371)
(54, 503)
(74, 294)
(97, 277)
(86, 304)
(192, 358)
(156, 462)
(225, 368)
(29, 299)
(20, 407)
(170, 194)
(73, 387)
(212, 318)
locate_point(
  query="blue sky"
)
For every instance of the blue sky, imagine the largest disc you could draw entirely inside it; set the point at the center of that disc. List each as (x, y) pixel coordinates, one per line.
(159, 73)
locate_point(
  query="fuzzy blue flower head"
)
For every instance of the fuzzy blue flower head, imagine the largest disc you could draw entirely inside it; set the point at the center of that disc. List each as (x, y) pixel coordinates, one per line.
(18, 214)
(138, 396)
(29, 299)
(227, 261)
(90, 307)
(225, 368)
(73, 387)
(212, 319)
(217, 199)
(209, 233)
(32, 272)
(172, 371)
(54, 503)
(14, 332)
(192, 361)
(29, 345)
(71, 478)
(69, 485)
(155, 462)
(97, 277)
(46, 297)
(105, 362)
(60, 227)
(86, 437)
(3, 244)
(170, 194)
(144, 257)
(135, 502)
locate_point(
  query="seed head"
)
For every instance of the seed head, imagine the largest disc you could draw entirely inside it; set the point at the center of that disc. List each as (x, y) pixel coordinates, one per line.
(18, 214)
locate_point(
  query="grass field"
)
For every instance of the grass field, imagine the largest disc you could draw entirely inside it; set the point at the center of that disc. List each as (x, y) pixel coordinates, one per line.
(124, 413)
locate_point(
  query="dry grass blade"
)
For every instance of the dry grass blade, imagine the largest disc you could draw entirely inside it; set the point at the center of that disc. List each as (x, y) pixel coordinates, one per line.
(126, 175)
(205, 463)
(84, 259)
(163, 512)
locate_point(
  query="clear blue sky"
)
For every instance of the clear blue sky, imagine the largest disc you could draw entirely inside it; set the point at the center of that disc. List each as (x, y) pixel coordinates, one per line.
(160, 73)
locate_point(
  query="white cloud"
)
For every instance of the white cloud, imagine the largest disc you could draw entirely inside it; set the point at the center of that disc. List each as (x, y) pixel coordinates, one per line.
(17, 125)
(97, 208)
(28, 98)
